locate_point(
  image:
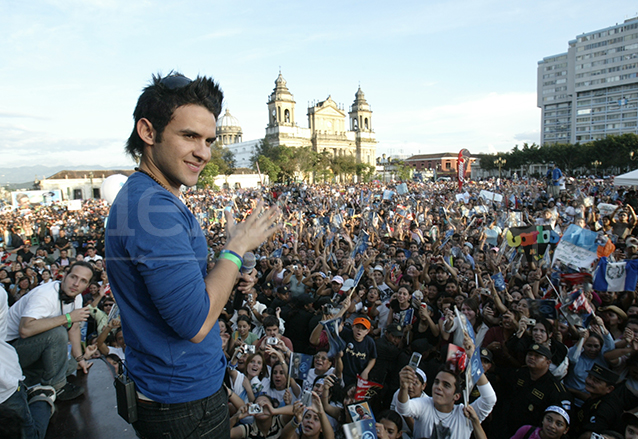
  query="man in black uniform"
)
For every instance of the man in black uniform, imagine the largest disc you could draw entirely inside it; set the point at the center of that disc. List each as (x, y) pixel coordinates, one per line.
(603, 409)
(529, 391)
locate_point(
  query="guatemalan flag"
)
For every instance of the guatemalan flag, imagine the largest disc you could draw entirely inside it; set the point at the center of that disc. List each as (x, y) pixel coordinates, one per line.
(616, 276)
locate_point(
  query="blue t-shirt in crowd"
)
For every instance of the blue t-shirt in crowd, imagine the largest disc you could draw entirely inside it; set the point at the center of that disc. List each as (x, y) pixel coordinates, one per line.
(156, 257)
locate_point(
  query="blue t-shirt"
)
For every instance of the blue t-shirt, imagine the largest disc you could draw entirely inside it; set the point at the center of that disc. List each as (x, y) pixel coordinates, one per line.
(156, 257)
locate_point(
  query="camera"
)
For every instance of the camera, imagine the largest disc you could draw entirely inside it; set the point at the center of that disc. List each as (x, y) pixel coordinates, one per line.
(272, 340)
(255, 409)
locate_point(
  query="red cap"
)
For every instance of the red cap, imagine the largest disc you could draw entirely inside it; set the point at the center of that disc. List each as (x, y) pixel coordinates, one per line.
(362, 321)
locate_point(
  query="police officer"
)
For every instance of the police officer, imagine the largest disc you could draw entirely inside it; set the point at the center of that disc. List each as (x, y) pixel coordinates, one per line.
(530, 390)
(603, 409)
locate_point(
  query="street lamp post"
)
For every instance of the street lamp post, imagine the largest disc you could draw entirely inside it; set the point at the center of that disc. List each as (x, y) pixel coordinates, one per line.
(384, 167)
(596, 164)
(500, 162)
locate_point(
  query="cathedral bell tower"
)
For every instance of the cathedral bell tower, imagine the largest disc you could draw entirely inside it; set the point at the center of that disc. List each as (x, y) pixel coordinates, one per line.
(361, 123)
(281, 105)
(360, 113)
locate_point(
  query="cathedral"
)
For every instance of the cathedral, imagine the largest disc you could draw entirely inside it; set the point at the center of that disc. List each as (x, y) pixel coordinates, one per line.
(329, 128)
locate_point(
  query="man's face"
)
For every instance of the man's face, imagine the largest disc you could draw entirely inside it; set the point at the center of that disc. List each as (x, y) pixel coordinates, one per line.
(185, 146)
(63, 254)
(443, 391)
(272, 331)
(537, 362)
(596, 386)
(401, 257)
(76, 281)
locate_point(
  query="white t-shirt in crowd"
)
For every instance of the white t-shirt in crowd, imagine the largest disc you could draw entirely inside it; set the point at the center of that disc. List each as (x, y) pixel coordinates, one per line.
(42, 302)
(427, 419)
(10, 370)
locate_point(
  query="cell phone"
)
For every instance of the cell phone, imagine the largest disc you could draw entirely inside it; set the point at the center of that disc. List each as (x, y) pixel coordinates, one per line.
(415, 359)
(306, 399)
(272, 340)
(255, 409)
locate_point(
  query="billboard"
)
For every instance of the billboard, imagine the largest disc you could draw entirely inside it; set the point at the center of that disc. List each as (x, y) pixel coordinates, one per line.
(28, 199)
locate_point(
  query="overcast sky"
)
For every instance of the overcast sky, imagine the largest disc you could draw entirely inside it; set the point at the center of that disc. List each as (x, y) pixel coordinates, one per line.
(439, 75)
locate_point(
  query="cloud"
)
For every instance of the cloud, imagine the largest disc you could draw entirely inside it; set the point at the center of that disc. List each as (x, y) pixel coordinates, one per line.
(21, 116)
(73, 152)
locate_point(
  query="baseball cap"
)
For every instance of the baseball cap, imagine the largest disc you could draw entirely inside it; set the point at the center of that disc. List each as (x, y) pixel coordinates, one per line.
(347, 285)
(540, 349)
(421, 375)
(486, 354)
(395, 330)
(337, 279)
(362, 321)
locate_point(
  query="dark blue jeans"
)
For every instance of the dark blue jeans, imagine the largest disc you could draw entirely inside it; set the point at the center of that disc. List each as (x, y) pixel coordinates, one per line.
(35, 417)
(205, 418)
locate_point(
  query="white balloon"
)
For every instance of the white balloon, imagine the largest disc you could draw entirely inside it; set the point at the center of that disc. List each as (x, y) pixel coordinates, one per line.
(111, 186)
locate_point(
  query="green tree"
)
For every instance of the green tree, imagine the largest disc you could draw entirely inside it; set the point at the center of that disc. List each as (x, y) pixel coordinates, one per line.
(222, 161)
(206, 178)
(403, 172)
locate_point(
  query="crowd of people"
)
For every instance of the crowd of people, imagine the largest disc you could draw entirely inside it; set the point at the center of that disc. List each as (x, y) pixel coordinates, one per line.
(361, 277)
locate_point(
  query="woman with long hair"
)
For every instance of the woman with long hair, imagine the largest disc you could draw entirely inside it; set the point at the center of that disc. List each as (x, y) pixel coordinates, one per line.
(278, 388)
(308, 422)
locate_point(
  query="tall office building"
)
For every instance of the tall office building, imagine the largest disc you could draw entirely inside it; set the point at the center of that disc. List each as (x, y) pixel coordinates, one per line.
(591, 91)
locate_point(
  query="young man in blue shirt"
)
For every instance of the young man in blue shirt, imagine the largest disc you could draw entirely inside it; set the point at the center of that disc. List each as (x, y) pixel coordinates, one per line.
(156, 258)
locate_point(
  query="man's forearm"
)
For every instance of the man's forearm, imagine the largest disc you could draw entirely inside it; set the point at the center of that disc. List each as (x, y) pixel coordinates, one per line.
(219, 285)
(30, 326)
(404, 396)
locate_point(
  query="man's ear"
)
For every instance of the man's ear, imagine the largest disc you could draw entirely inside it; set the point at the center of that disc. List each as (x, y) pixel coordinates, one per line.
(457, 396)
(145, 130)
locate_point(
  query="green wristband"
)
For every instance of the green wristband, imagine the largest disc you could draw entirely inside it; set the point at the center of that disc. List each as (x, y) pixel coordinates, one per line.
(225, 254)
(68, 319)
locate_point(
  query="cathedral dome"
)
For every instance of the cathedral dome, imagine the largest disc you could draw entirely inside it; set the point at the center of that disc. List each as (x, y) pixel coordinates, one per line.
(228, 121)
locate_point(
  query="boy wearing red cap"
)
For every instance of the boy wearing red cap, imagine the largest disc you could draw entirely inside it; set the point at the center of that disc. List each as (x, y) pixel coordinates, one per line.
(360, 353)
